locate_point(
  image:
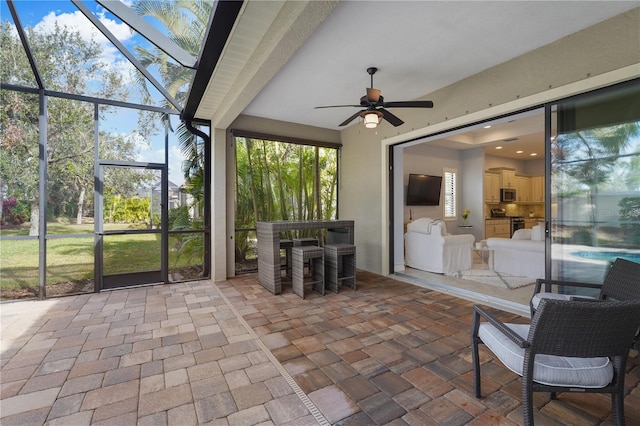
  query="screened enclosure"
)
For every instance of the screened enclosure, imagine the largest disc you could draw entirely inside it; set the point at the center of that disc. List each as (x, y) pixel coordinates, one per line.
(101, 182)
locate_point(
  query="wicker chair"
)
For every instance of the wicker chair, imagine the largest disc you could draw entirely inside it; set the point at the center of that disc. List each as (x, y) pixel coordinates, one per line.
(579, 346)
(621, 283)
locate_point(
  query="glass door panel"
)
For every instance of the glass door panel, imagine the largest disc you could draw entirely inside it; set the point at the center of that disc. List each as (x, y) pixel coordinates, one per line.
(595, 183)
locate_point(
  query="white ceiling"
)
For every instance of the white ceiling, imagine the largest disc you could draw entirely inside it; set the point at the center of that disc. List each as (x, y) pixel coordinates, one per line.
(519, 137)
(418, 47)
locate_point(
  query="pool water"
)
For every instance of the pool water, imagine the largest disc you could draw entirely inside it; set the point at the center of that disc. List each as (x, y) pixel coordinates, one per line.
(608, 256)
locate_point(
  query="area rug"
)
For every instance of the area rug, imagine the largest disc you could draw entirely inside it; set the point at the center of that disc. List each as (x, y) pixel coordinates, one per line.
(498, 279)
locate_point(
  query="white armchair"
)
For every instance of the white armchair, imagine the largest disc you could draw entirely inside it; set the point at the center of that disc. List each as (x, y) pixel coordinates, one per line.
(429, 247)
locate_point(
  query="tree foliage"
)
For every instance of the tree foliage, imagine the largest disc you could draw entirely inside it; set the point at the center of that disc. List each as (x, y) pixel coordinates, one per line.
(282, 181)
(593, 159)
(67, 63)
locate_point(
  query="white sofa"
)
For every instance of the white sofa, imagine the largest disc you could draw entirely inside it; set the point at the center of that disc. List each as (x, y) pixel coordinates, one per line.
(429, 247)
(521, 255)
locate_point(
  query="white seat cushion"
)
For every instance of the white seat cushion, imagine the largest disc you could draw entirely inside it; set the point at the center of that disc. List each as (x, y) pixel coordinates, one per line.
(535, 300)
(548, 369)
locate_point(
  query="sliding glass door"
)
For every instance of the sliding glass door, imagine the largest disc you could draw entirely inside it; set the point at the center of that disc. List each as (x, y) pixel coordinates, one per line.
(594, 185)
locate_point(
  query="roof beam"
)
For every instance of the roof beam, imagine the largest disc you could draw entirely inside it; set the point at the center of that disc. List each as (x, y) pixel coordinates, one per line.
(25, 44)
(95, 21)
(222, 20)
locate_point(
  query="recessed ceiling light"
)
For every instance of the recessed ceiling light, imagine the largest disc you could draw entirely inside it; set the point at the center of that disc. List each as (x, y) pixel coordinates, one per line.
(533, 154)
(498, 147)
(487, 127)
(519, 152)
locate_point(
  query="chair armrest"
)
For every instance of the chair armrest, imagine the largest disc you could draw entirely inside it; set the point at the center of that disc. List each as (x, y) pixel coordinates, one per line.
(586, 299)
(513, 336)
(549, 283)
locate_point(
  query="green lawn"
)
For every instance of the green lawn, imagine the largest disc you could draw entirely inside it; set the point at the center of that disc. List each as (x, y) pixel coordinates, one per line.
(72, 259)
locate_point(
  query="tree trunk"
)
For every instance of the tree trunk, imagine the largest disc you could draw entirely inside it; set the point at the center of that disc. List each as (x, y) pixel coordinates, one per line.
(35, 219)
(300, 181)
(1, 197)
(267, 184)
(80, 206)
(317, 183)
(281, 192)
(249, 145)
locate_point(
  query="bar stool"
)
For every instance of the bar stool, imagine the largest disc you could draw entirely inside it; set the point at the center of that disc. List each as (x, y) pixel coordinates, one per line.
(302, 254)
(308, 241)
(340, 266)
(287, 245)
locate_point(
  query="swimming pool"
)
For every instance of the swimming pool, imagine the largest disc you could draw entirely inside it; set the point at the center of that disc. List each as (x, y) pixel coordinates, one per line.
(608, 256)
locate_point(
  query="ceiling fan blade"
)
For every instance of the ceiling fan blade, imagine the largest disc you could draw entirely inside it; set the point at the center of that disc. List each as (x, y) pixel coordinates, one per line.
(373, 94)
(338, 106)
(409, 104)
(390, 117)
(350, 119)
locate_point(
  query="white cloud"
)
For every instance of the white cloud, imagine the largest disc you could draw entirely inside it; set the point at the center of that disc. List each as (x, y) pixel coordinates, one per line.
(176, 157)
(76, 21)
(175, 165)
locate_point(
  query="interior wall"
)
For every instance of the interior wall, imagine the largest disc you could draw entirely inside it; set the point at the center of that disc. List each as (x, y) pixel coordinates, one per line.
(598, 56)
(534, 167)
(431, 162)
(471, 190)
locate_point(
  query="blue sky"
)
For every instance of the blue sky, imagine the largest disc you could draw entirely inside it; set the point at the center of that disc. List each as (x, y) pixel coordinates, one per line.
(42, 15)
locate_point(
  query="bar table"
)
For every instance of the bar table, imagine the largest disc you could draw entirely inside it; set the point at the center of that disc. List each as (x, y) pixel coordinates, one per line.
(269, 246)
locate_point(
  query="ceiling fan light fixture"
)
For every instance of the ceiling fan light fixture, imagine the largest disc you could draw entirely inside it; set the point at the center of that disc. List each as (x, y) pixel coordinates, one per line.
(371, 119)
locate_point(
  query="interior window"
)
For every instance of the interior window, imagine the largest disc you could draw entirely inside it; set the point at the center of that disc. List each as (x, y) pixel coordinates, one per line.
(450, 193)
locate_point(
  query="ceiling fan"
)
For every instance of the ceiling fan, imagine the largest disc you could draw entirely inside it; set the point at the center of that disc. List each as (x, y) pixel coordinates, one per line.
(375, 105)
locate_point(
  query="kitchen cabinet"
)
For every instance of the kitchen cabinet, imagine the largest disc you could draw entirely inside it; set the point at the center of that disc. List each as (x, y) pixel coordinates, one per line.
(491, 188)
(530, 223)
(523, 189)
(537, 189)
(497, 228)
(508, 179)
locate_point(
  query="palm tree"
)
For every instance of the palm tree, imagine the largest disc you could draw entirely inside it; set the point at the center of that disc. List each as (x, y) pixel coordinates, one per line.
(185, 22)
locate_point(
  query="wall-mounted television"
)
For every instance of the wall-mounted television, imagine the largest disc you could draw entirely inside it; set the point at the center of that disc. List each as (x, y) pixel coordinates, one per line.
(423, 190)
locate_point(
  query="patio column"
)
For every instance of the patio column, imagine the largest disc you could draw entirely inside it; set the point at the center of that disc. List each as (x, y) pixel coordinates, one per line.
(218, 205)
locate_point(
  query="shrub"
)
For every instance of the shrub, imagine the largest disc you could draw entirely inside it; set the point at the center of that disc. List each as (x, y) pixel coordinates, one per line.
(630, 217)
(14, 212)
(582, 237)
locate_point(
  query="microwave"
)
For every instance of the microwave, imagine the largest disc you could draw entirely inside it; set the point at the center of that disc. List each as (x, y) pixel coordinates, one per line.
(507, 195)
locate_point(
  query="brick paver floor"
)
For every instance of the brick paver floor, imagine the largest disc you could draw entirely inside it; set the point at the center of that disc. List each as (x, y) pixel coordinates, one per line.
(231, 353)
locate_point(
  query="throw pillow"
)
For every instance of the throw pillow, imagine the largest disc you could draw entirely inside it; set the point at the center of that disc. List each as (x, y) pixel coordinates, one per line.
(522, 234)
(421, 225)
(536, 233)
